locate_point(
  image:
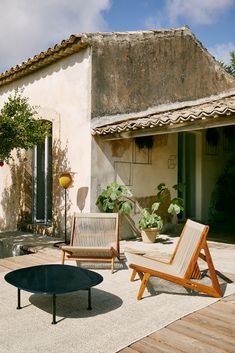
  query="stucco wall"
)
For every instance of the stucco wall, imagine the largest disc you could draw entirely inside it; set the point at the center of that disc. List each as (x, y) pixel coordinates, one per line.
(139, 169)
(62, 92)
(134, 72)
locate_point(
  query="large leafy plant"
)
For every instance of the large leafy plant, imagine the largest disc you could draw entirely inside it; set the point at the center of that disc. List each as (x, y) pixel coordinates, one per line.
(115, 198)
(19, 126)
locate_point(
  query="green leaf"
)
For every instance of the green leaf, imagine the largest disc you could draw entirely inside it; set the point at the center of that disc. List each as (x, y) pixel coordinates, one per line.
(155, 206)
(125, 207)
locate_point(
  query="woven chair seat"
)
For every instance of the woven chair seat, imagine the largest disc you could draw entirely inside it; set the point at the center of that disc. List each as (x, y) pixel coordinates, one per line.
(81, 251)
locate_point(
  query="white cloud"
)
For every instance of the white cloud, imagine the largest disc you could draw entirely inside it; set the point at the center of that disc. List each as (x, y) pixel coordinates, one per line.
(204, 12)
(28, 27)
(199, 12)
(222, 51)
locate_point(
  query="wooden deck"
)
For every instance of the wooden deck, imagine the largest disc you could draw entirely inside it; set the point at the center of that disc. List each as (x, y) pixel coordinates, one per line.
(209, 330)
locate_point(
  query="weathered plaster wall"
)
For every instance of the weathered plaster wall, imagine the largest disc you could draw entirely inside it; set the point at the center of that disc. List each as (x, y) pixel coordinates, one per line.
(140, 170)
(62, 92)
(134, 72)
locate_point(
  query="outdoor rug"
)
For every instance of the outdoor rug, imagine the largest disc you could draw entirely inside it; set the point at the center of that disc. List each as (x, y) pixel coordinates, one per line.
(117, 318)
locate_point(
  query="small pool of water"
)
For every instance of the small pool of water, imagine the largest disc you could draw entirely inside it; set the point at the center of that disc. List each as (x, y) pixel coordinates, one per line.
(13, 243)
(17, 243)
(8, 249)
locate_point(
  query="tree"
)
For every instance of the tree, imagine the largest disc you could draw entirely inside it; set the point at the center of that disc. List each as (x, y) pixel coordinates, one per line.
(230, 68)
(20, 126)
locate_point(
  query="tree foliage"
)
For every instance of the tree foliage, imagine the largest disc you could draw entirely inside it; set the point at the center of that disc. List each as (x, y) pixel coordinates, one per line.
(231, 67)
(20, 126)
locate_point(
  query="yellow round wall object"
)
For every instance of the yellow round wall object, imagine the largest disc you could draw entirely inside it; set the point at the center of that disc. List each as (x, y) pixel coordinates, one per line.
(65, 180)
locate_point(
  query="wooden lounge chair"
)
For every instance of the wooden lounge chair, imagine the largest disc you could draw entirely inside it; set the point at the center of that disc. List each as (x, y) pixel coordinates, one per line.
(94, 237)
(183, 266)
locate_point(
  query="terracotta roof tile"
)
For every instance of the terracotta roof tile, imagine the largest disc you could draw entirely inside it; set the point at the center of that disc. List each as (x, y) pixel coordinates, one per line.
(212, 109)
(73, 44)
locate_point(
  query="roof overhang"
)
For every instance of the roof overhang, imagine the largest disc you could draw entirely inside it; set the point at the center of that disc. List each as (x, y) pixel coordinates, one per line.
(205, 113)
(67, 47)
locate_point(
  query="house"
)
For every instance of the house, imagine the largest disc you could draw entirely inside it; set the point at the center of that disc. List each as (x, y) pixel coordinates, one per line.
(105, 94)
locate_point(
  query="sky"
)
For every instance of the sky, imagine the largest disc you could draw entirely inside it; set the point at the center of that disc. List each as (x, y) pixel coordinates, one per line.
(28, 27)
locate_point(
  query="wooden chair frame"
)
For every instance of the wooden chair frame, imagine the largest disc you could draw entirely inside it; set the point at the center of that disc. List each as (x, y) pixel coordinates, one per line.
(192, 271)
(115, 250)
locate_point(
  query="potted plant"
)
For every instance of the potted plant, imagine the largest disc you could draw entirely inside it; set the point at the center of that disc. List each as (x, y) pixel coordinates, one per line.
(117, 198)
(150, 223)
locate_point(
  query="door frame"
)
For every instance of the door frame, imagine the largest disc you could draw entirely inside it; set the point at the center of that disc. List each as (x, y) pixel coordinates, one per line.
(198, 170)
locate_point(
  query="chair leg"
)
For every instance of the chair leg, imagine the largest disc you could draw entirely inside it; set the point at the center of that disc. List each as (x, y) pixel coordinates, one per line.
(112, 265)
(63, 257)
(133, 275)
(143, 285)
(213, 276)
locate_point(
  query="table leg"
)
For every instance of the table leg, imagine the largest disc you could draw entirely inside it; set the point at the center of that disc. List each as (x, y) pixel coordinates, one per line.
(53, 309)
(18, 299)
(89, 299)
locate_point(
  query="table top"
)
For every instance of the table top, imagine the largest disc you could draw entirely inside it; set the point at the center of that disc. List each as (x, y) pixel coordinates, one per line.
(53, 279)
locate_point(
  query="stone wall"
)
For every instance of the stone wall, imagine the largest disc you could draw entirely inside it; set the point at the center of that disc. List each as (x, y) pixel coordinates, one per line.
(136, 71)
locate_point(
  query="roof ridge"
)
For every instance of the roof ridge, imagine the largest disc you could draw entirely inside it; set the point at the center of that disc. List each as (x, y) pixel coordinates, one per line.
(75, 42)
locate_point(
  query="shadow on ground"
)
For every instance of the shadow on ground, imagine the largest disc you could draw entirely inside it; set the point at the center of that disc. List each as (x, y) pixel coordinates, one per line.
(74, 305)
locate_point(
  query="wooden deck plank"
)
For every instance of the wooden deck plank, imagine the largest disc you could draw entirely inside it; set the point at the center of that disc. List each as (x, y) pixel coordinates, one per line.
(163, 346)
(145, 346)
(45, 256)
(223, 316)
(209, 322)
(16, 262)
(2, 269)
(228, 307)
(205, 337)
(230, 299)
(23, 263)
(22, 260)
(7, 264)
(178, 339)
(211, 331)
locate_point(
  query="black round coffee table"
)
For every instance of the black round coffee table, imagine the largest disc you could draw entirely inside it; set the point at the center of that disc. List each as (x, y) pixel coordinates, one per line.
(53, 280)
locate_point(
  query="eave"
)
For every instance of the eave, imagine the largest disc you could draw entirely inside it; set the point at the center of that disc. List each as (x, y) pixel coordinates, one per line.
(215, 112)
(65, 48)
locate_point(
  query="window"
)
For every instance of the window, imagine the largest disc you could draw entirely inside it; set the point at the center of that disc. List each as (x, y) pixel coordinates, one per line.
(42, 182)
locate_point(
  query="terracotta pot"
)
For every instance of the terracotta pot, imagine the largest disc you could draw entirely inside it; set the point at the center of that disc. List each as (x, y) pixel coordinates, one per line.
(149, 234)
